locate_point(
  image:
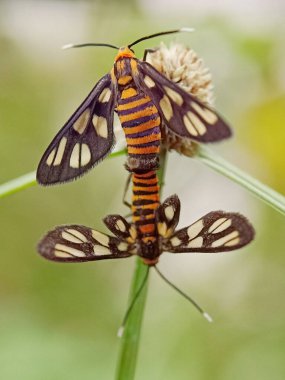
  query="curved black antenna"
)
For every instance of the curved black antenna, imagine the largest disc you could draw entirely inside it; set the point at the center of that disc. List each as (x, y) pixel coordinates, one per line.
(69, 46)
(161, 34)
(130, 308)
(205, 315)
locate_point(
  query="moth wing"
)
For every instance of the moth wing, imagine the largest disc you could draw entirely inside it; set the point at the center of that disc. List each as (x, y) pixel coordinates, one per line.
(121, 228)
(85, 139)
(217, 231)
(167, 216)
(181, 112)
(75, 243)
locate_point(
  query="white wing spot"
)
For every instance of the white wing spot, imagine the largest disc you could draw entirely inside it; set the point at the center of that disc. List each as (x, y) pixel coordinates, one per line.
(69, 237)
(198, 124)
(175, 241)
(148, 81)
(166, 107)
(105, 95)
(99, 250)
(189, 126)
(74, 158)
(61, 254)
(50, 157)
(100, 125)
(78, 234)
(169, 212)
(162, 229)
(220, 225)
(81, 123)
(233, 242)
(174, 95)
(60, 151)
(120, 225)
(69, 250)
(209, 116)
(101, 238)
(123, 246)
(133, 232)
(85, 154)
(225, 239)
(196, 243)
(195, 229)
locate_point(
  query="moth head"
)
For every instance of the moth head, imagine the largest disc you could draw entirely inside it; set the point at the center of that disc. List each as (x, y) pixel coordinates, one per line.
(124, 52)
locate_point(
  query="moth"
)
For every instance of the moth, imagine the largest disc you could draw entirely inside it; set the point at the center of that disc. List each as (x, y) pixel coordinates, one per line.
(143, 99)
(217, 231)
(152, 232)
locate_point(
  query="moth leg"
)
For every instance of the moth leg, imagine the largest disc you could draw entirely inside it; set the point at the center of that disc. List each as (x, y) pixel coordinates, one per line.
(127, 185)
(147, 51)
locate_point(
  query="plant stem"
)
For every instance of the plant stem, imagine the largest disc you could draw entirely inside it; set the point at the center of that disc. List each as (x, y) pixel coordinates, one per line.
(261, 191)
(18, 184)
(29, 179)
(131, 337)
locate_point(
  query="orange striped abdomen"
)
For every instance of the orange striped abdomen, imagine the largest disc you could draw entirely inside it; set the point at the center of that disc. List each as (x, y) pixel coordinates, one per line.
(141, 123)
(144, 203)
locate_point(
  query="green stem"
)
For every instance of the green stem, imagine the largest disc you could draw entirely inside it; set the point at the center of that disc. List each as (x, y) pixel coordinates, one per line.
(18, 184)
(131, 337)
(29, 179)
(261, 191)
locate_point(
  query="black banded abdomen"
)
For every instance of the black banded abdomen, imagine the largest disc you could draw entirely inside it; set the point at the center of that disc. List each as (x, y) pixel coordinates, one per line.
(141, 123)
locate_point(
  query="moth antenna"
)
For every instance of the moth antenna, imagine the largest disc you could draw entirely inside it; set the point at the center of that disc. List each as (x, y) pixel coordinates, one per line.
(69, 46)
(194, 303)
(130, 308)
(161, 34)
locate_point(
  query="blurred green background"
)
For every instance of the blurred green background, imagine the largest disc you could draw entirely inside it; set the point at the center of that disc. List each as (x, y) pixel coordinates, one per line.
(60, 321)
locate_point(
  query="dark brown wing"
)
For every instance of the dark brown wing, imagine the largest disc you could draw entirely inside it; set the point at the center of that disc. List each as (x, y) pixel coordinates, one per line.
(217, 231)
(184, 114)
(85, 139)
(78, 243)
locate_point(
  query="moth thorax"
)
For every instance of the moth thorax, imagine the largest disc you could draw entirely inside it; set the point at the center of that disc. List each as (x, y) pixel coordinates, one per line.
(123, 70)
(149, 251)
(142, 164)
